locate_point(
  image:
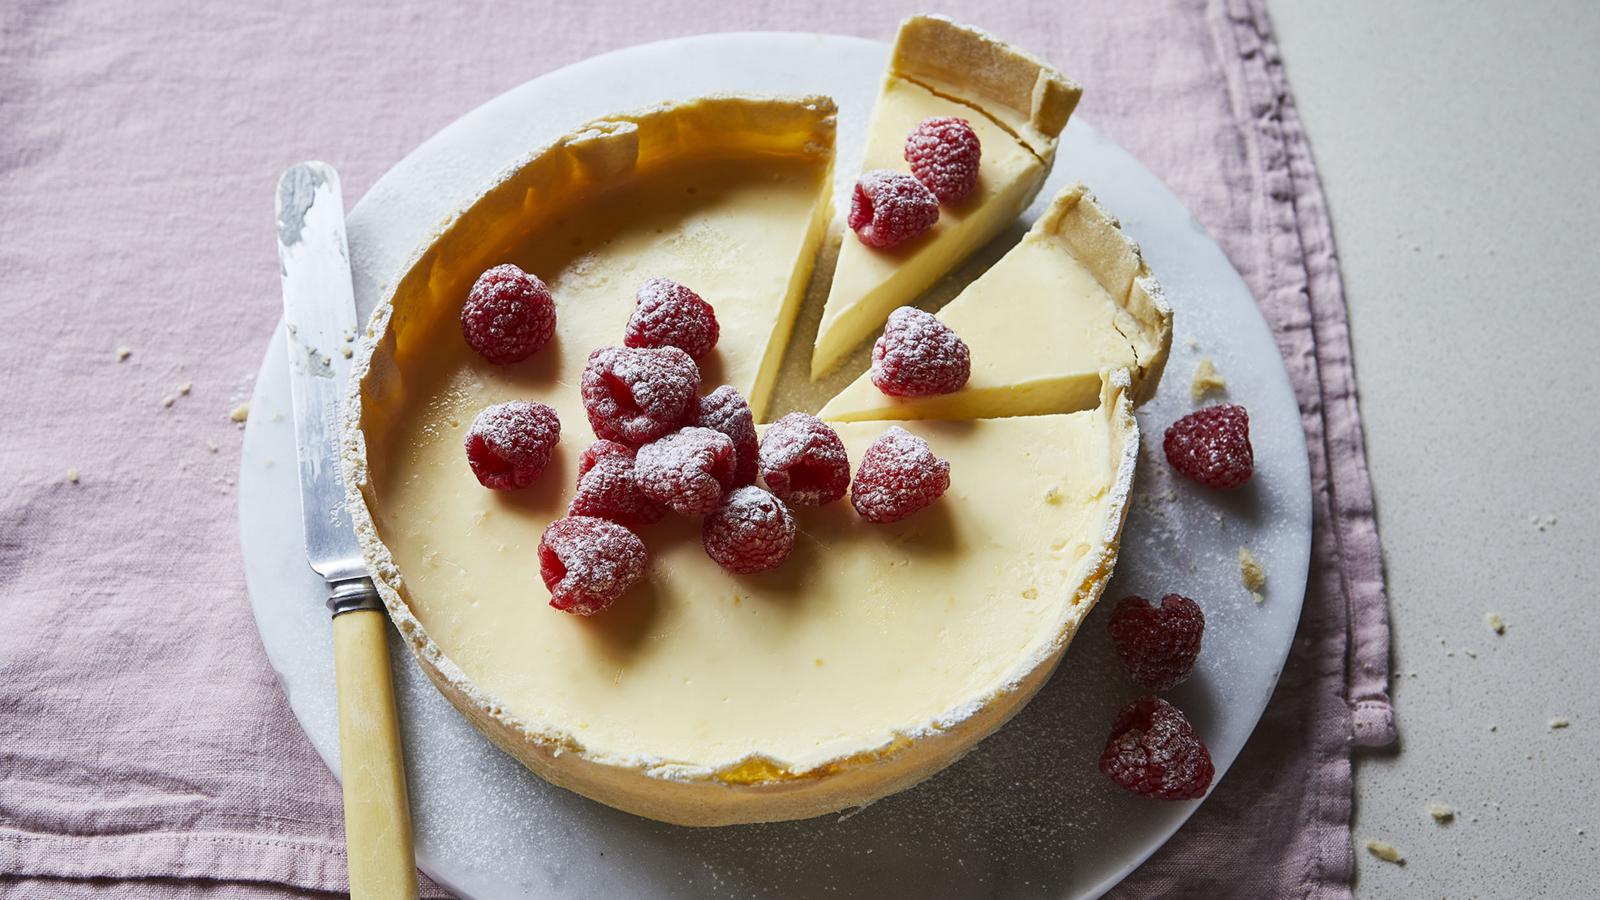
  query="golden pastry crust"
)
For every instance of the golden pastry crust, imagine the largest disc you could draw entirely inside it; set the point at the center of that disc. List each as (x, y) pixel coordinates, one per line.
(1019, 91)
(1092, 234)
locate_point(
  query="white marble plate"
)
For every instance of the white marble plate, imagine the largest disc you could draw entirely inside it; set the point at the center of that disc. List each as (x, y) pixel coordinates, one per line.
(1026, 813)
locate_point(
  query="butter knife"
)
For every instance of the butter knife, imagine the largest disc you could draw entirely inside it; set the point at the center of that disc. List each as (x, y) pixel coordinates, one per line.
(320, 313)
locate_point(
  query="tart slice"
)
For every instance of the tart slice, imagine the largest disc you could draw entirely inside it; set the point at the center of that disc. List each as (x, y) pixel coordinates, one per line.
(1072, 299)
(1017, 106)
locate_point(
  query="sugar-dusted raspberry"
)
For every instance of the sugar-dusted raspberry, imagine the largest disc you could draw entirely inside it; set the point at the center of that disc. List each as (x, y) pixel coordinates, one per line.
(587, 563)
(1212, 446)
(889, 208)
(751, 531)
(1158, 644)
(670, 315)
(508, 316)
(898, 475)
(725, 410)
(635, 395)
(943, 154)
(803, 462)
(919, 356)
(607, 488)
(688, 470)
(509, 444)
(1154, 752)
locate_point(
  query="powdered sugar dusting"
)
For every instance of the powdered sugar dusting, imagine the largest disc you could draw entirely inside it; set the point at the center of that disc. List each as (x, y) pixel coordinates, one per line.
(751, 531)
(687, 470)
(588, 563)
(919, 356)
(889, 208)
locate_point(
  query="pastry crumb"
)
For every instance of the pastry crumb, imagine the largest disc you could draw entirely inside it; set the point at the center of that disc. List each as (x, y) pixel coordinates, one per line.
(1470, 652)
(185, 388)
(1191, 342)
(1206, 379)
(167, 401)
(211, 445)
(1441, 813)
(345, 352)
(241, 412)
(1052, 496)
(1560, 722)
(123, 353)
(1386, 852)
(1495, 623)
(1031, 594)
(1253, 576)
(72, 476)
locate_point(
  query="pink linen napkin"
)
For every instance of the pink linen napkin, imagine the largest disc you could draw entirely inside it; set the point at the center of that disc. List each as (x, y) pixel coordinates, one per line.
(145, 746)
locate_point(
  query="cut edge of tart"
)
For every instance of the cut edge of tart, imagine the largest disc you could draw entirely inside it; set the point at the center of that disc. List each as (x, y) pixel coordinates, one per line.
(1018, 106)
(1073, 298)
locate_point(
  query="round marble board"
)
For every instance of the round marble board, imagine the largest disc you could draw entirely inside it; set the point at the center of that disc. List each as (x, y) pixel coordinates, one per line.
(1026, 813)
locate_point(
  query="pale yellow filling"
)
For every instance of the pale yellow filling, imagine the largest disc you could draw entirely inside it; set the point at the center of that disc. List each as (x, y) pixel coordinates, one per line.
(867, 632)
(869, 283)
(1040, 328)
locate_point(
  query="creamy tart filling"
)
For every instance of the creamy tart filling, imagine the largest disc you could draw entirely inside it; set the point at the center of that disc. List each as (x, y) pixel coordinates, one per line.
(1070, 301)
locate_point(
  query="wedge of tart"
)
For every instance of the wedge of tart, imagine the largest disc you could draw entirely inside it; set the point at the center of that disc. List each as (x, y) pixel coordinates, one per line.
(1072, 299)
(1016, 104)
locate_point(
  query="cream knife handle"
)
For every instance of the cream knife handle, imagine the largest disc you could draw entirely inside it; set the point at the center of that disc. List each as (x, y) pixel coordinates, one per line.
(377, 819)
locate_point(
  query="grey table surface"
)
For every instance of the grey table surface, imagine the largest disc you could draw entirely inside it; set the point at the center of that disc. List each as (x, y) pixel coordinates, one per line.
(1458, 145)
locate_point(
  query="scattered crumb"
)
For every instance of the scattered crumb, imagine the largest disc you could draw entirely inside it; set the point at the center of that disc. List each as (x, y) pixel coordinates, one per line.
(1191, 342)
(1543, 523)
(1052, 496)
(211, 445)
(1470, 652)
(240, 412)
(1031, 594)
(1206, 379)
(123, 353)
(168, 400)
(1252, 574)
(1559, 722)
(72, 476)
(345, 352)
(185, 388)
(1494, 728)
(1386, 852)
(1441, 813)
(1495, 623)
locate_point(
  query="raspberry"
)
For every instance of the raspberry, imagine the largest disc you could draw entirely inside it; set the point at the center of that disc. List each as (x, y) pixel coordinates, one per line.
(509, 444)
(1212, 446)
(803, 461)
(607, 489)
(636, 395)
(889, 208)
(671, 315)
(688, 470)
(587, 563)
(508, 316)
(726, 411)
(898, 475)
(1158, 644)
(752, 531)
(1154, 752)
(943, 154)
(919, 356)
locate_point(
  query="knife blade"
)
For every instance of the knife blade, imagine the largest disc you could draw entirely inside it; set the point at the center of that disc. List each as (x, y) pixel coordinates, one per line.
(320, 319)
(320, 316)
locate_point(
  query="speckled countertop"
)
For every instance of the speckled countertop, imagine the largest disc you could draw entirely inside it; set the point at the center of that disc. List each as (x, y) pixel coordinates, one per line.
(1457, 147)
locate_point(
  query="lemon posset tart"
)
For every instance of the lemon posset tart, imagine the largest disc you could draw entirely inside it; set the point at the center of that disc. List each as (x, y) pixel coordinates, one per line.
(878, 652)
(1015, 105)
(1072, 299)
